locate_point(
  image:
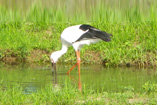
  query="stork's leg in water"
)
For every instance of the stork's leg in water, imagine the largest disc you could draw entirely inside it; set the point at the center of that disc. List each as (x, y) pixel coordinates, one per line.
(78, 62)
(79, 76)
(71, 69)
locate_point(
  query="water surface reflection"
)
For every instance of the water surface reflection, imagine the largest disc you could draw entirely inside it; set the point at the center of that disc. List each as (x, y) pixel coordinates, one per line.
(92, 76)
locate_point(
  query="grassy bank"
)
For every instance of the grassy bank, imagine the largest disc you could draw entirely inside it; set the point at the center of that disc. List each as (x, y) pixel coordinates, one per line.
(132, 43)
(70, 95)
(34, 34)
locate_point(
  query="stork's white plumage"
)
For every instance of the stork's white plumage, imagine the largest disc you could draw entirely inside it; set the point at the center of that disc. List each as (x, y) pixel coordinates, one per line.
(77, 36)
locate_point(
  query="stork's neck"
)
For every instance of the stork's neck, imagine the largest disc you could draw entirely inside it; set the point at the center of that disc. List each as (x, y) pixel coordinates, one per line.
(57, 54)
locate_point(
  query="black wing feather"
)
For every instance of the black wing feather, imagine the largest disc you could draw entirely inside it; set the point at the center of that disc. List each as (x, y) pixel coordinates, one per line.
(93, 33)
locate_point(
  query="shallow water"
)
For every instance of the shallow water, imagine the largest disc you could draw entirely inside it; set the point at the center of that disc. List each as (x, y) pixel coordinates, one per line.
(97, 77)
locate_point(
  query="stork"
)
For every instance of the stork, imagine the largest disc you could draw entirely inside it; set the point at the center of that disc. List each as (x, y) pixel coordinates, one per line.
(77, 36)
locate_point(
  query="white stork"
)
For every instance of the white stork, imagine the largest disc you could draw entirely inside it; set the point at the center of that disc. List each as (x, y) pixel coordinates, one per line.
(77, 36)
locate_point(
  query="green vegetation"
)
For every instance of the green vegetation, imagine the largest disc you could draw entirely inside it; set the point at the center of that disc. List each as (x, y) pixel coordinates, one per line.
(32, 36)
(70, 95)
(30, 31)
(27, 84)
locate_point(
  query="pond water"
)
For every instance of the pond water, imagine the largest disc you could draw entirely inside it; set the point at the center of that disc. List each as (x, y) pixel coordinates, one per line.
(96, 77)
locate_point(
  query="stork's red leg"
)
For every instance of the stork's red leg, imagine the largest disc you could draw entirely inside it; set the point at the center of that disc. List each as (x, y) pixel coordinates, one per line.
(79, 76)
(78, 62)
(79, 84)
(71, 69)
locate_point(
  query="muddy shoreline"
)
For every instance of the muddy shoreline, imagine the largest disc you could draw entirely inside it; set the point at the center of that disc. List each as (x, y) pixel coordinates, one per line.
(38, 56)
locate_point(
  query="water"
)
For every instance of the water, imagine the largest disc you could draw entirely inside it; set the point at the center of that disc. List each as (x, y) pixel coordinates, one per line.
(97, 77)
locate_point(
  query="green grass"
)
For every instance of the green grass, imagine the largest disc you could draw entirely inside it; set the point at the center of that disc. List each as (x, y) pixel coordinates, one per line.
(70, 95)
(39, 28)
(132, 42)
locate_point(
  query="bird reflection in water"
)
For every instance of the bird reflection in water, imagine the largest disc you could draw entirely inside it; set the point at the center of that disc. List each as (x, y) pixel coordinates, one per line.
(79, 81)
(55, 81)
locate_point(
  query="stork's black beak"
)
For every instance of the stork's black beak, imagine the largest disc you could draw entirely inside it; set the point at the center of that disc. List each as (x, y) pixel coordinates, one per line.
(53, 67)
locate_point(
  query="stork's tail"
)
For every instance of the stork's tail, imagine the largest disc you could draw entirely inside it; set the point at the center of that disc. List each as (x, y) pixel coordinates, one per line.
(103, 35)
(107, 37)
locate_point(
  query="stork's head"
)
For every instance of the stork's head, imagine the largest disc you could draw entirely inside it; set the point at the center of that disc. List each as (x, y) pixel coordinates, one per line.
(54, 57)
